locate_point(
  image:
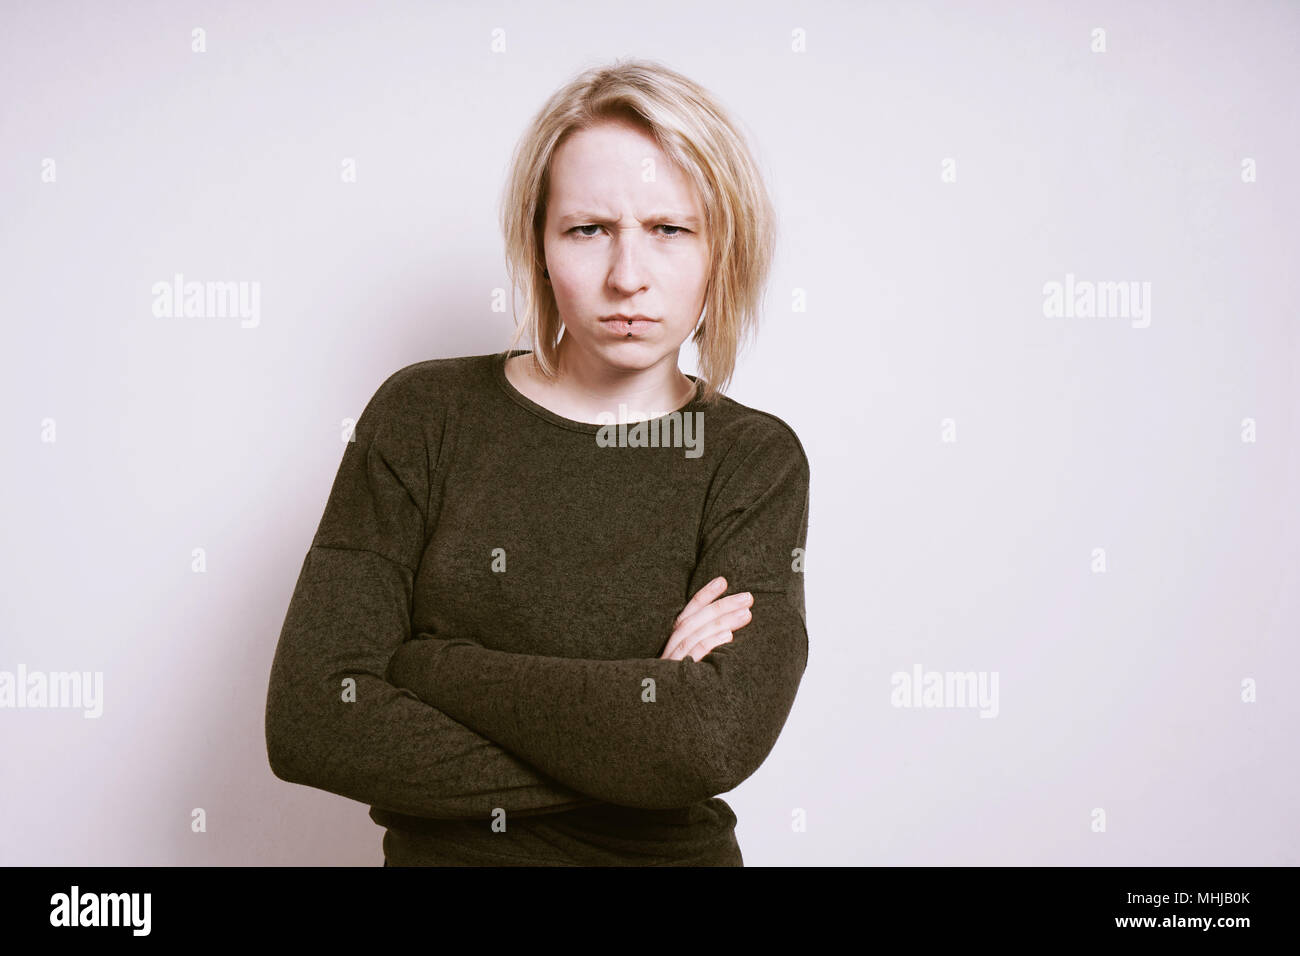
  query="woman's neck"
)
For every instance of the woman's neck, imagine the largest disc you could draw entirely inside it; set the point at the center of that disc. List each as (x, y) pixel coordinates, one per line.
(585, 395)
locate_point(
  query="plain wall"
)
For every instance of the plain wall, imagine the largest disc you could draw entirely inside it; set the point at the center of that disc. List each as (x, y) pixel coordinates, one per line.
(968, 451)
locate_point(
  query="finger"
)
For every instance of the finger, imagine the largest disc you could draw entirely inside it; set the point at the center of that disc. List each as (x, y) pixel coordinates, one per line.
(704, 647)
(710, 613)
(706, 594)
(701, 600)
(721, 615)
(731, 612)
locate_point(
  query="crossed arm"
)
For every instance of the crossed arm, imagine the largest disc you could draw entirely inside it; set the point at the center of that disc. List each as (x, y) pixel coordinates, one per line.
(654, 733)
(642, 733)
(446, 728)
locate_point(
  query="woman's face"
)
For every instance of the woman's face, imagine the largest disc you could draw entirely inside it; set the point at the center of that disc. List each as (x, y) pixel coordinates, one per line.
(624, 234)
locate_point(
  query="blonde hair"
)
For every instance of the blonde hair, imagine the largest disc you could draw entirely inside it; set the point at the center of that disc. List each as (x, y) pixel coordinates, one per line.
(696, 133)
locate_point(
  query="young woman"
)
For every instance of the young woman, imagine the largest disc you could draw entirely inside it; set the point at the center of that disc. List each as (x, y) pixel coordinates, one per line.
(549, 615)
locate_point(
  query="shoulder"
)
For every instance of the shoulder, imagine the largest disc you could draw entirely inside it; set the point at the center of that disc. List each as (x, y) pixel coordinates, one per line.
(419, 392)
(756, 436)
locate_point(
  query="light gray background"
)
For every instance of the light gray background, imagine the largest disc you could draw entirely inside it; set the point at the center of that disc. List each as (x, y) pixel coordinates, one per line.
(1119, 691)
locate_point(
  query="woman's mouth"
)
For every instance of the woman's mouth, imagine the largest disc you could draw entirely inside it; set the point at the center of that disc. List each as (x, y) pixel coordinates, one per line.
(628, 327)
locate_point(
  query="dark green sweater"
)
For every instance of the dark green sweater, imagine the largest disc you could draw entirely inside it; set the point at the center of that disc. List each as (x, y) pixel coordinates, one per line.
(534, 572)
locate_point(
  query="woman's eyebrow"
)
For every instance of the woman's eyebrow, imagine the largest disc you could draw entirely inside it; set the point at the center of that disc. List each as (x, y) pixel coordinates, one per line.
(582, 216)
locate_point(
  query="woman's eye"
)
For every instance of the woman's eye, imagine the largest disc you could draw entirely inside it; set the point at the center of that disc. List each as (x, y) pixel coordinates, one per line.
(678, 230)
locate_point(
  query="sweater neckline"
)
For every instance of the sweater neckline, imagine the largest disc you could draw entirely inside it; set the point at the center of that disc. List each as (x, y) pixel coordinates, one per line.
(499, 360)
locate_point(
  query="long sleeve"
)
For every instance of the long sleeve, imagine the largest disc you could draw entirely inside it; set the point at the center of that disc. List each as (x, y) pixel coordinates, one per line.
(332, 719)
(657, 733)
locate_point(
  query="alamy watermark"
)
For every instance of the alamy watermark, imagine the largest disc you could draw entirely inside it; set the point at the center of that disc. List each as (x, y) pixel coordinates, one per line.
(1085, 299)
(76, 908)
(179, 299)
(56, 689)
(674, 430)
(956, 689)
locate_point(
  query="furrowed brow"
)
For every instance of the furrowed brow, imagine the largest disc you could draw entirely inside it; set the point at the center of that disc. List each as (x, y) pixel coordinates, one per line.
(584, 217)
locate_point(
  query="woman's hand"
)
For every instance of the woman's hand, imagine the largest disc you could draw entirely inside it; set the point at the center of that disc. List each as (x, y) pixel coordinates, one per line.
(707, 621)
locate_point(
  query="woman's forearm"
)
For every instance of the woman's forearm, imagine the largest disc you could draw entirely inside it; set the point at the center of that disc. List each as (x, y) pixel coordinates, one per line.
(334, 722)
(647, 733)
